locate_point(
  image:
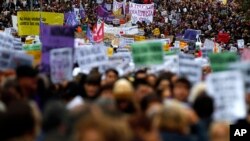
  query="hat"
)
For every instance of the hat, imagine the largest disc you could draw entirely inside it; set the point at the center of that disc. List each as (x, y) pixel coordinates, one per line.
(26, 71)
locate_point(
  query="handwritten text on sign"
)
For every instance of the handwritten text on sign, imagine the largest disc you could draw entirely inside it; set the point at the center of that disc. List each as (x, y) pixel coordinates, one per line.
(141, 12)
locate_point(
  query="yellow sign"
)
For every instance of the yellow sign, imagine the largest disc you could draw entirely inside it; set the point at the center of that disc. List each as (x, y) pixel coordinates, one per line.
(139, 38)
(110, 51)
(166, 47)
(28, 21)
(156, 32)
(183, 45)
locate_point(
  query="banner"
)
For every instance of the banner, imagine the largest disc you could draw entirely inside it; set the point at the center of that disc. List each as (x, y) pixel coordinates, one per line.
(17, 44)
(90, 56)
(5, 59)
(53, 37)
(227, 90)
(126, 42)
(221, 61)
(29, 21)
(131, 30)
(57, 35)
(35, 51)
(189, 68)
(147, 53)
(119, 7)
(6, 40)
(208, 44)
(61, 65)
(141, 12)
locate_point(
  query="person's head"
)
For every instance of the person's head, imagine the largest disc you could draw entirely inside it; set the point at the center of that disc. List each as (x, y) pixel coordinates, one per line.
(27, 78)
(111, 75)
(219, 131)
(203, 106)
(151, 79)
(141, 74)
(149, 101)
(106, 91)
(142, 88)
(164, 87)
(19, 122)
(95, 126)
(174, 118)
(92, 85)
(181, 89)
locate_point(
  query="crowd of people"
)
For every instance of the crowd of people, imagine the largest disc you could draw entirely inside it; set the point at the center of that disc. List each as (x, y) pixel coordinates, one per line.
(139, 106)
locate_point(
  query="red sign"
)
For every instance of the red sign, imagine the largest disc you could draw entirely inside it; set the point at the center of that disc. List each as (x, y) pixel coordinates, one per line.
(223, 37)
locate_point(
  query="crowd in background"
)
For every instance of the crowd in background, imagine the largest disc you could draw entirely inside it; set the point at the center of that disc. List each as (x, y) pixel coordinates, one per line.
(139, 106)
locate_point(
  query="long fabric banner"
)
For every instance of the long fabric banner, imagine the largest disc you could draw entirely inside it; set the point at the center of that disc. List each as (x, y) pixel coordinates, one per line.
(141, 12)
(29, 21)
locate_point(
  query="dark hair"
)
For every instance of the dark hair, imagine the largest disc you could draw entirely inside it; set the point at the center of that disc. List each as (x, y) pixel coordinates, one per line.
(139, 82)
(112, 70)
(139, 71)
(17, 121)
(184, 81)
(26, 71)
(203, 106)
(147, 100)
(106, 87)
(93, 79)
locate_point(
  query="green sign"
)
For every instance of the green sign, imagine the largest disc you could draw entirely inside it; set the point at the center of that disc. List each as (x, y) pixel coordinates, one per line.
(221, 61)
(147, 53)
(32, 47)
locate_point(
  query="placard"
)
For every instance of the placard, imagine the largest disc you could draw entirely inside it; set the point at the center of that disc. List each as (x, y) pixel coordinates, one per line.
(61, 65)
(189, 68)
(6, 40)
(29, 21)
(147, 53)
(241, 43)
(227, 90)
(141, 12)
(91, 56)
(35, 51)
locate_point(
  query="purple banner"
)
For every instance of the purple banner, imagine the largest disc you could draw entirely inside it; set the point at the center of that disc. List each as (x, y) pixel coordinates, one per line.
(53, 37)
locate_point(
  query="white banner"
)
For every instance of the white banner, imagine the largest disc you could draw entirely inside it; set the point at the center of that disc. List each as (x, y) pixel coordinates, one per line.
(131, 30)
(119, 7)
(141, 12)
(6, 40)
(227, 90)
(90, 56)
(61, 65)
(189, 68)
(208, 44)
(14, 22)
(125, 42)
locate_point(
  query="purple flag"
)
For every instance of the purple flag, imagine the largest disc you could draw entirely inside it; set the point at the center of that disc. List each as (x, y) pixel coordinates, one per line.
(71, 19)
(102, 12)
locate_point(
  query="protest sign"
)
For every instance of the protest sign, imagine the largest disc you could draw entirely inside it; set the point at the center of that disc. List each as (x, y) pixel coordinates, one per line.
(227, 90)
(177, 44)
(191, 34)
(5, 58)
(61, 65)
(221, 61)
(244, 67)
(90, 56)
(14, 22)
(171, 63)
(130, 30)
(119, 7)
(141, 12)
(206, 52)
(147, 53)
(35, 51)
(189, 68)
(17, 44)
(223, 37)
(6, 40)
(208, 44)
(57, 35)
(126, 42)
(29, 21)
(241, 43)
(139, 38)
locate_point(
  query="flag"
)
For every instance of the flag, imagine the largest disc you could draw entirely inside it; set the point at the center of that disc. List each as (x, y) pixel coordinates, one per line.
(99, 31)
(71, 19)
(82, 12)
(102, 12)
(89, 34)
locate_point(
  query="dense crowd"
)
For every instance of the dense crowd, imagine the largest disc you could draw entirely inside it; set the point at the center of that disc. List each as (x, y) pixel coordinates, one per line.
(139, 106)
